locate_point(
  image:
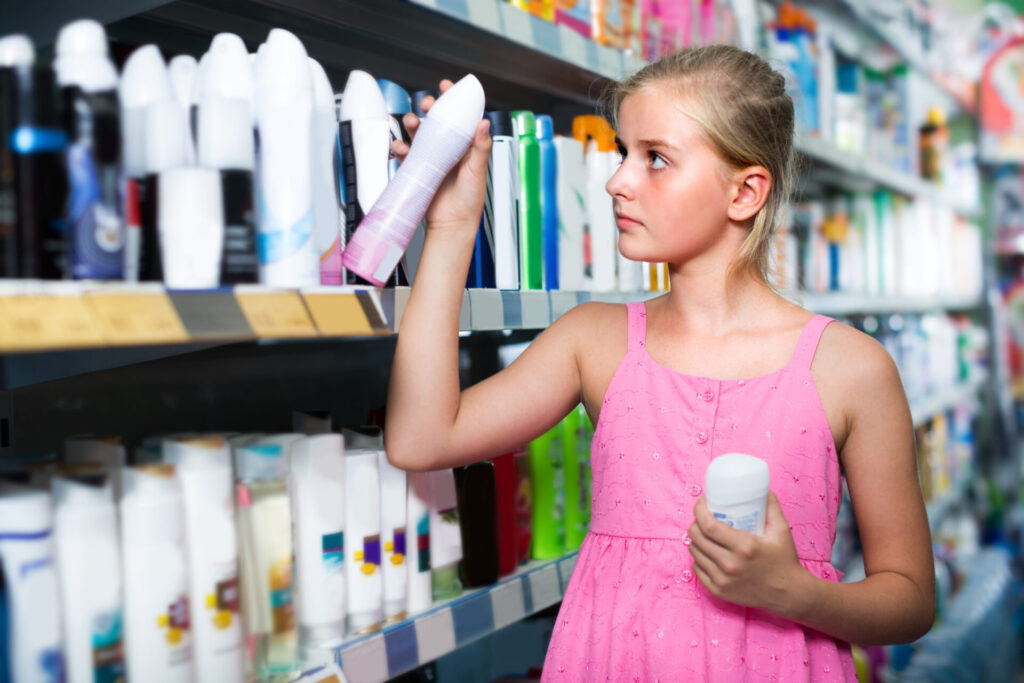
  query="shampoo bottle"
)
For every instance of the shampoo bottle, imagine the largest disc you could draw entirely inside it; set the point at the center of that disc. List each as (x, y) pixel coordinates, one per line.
(37, 245)
(89, 573)
(158, 633)
(366, 132)
(548, 200)
(600, 156)
(225, 141)
(364, 583)
(265, 552)
(531, 215)
(88, 82)
(505, 501)
(478, 513)
(284, 111)
(394, 533)
(418, 527)
(547, 476)
(501, 207)
(317, 488)
(326, 204)
(572, 212)
(203, 468)
(445, 535)
(33, 607)
(442, 140)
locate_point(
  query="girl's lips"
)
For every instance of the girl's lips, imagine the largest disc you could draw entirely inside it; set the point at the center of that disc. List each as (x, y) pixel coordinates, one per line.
(625, 222)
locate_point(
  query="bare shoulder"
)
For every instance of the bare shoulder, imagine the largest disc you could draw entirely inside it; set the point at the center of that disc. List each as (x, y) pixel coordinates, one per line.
(598, 333)
(852, 359)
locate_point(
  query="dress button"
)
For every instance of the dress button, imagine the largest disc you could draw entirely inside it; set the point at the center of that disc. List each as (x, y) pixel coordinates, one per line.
(696, 490)
(708, 395)
(702, 437)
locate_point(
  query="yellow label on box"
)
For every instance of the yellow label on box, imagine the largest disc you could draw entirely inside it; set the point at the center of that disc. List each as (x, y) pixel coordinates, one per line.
(276, 314)
(131, 318)
(338, 315)
(46, 322)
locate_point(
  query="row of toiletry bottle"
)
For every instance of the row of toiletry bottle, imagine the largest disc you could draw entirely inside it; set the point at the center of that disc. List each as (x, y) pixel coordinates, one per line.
(878, 244)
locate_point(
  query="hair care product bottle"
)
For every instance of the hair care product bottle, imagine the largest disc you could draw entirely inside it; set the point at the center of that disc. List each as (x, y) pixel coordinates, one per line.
(505, 500)
(547, 477)
(191, 227)
(934, 142)
(158, 634)
(531, 215)
(30, 578)
(144, 81)
(576, 435)
(226, 142)
(364, 582)
(501, 207)
(736, 487)
(523, 505)
(600, 156)
(265, 551)
(326, 204)
(35, 246)
(317, 487)
(203, 468)
(89, 573)
(366, 132)
(572, 212)
(284, 111)
(442, 140)
(394, 535)
(417, 527)
(479, 520)
(445, 535)
(88, 82)
(548, 199)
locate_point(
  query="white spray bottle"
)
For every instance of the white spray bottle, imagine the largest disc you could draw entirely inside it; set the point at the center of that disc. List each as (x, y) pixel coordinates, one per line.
(326, 204)
(444, 136)
(284, 111)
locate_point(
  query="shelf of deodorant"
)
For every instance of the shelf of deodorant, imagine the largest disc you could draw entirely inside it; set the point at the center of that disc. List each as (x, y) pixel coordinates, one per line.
(446, 626)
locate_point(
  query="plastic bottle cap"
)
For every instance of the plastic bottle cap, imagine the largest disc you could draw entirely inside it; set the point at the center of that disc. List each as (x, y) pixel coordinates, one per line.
(91, 73)
(526, 123)
(16, 50)
(362, 98)
(226, 70)
(224, 134)
(545, 127)
(204, 452)
(144, 79)
(395, 97)
(182, 72)
(81, 38)
(592, 126)
(282, 68)
(166, 138)
(736, 478)
(323, 94)
(462, 106)
(501, 123)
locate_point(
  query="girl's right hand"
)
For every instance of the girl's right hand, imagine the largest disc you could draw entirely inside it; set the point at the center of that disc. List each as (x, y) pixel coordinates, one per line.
(459, 200)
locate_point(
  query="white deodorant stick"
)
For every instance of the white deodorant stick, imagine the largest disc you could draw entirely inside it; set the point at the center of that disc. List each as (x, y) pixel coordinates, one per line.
(736, 490)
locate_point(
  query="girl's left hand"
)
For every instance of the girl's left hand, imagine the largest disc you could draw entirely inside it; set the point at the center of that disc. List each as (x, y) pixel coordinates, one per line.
(745, 569)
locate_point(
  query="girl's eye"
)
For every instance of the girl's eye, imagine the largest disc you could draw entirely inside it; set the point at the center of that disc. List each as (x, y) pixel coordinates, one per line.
(657, 161)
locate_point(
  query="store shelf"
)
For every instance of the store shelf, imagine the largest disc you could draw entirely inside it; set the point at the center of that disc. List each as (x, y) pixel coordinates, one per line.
(940, 401)
(940, 507)
(51, 316)
(450, 625)
(847, 304)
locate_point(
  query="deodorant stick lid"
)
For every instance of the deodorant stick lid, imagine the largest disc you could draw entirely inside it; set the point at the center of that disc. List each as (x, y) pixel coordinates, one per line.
(736, 478)
(16, 50)
(82, 38)
(461, 106)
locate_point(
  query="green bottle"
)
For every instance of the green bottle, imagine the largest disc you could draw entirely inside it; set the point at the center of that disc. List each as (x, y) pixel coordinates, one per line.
(531, 217)
(576, 436)
(547, 478)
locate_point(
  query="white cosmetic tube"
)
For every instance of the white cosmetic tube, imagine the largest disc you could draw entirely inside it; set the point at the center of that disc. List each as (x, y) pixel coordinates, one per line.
(445, 535)
(441, 141)
(601, 218)
(317, 487)
(284, 111)
(501, 210)
(89, 574)
(33, 607)
(203, 469)
(158, 639)
(395, 536)
(572, 212)
(326, 203)
(417, 526)
(191, 226)
(265, 554)
(364, 584)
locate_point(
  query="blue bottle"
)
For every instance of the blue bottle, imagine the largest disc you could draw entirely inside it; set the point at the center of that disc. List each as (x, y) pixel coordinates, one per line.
(548, 199)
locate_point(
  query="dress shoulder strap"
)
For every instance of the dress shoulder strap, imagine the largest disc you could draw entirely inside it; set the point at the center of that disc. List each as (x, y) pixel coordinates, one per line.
(809, 338)
(636, 326)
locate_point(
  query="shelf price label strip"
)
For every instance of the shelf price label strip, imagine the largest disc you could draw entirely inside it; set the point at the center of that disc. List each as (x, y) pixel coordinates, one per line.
(441, 630)
(40, 322)
(275, 314)
(137, 317)
(345, 314)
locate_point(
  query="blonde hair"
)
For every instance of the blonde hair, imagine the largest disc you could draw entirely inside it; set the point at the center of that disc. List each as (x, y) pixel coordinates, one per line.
(741, 105)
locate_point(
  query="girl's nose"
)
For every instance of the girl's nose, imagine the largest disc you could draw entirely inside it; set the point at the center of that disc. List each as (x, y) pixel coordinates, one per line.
(619, 185)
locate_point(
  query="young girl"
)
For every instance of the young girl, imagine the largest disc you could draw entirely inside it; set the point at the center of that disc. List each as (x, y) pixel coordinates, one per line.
(722, 363)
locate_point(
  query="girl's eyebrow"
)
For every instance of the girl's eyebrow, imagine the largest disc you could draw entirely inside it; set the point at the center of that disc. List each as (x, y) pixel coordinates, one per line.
(648, 143)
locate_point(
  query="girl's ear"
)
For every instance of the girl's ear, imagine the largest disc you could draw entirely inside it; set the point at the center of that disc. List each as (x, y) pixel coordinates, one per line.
(752, 185)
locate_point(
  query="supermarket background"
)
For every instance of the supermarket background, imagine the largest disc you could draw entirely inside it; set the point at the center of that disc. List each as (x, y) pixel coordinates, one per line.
(908, 224)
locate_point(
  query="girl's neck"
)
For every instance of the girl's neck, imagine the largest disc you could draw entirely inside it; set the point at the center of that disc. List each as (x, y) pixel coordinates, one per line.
(715, 301)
